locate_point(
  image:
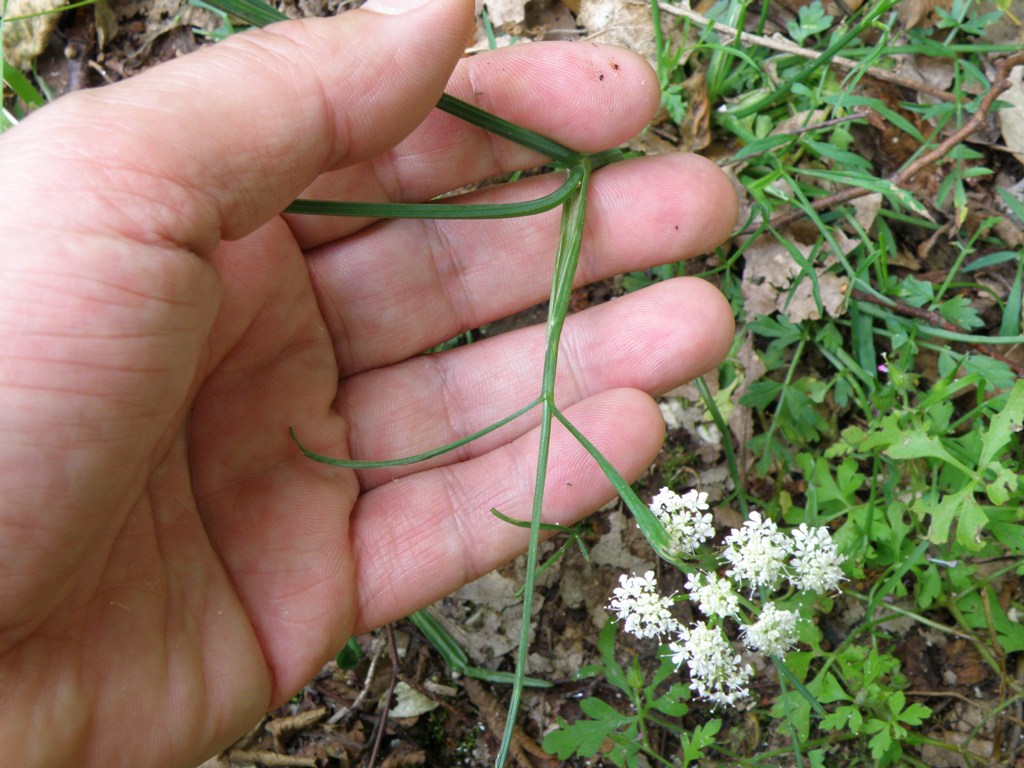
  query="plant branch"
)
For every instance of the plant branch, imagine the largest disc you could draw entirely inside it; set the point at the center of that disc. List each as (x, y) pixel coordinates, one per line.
(934, 318)
(566, 260)
(438, 210)
(901, 177)
(355, 464)
(505, 129)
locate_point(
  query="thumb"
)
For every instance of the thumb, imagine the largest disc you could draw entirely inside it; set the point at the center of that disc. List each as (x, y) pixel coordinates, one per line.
(214, 144)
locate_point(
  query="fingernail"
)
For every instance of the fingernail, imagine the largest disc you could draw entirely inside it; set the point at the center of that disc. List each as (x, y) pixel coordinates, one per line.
(392, 7)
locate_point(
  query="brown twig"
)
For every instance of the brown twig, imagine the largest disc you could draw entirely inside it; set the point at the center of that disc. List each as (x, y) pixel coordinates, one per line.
(382, 723)
(937, 320)
(345, 712)
(1001, 84)
(266, 758)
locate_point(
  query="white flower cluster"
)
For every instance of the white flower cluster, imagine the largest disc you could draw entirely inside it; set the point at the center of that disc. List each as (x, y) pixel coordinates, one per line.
(773, 633)
(759, 557)
(816, 561)
(685, 519)
(757, 552)
(716, 670)
(638, 603)
(713, 595)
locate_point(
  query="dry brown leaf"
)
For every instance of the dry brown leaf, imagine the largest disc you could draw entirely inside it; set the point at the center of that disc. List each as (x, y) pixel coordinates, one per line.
(866, 209)
(495, 613)
(404, 755)
(914, 12)
(551, 20)
(283, 728)
(831, 290)
(492, 713)
(934, 72)
(625, 24)
(1011, 119)
(769, 274)
(741, 419)
(269, 759)
(613, 550)
(26, 39)
(695, 130)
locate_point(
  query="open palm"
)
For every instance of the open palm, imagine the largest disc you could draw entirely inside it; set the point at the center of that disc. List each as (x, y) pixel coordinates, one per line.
(170, 564)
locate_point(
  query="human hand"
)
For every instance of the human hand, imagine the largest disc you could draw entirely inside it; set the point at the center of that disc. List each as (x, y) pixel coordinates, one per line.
(170, 564)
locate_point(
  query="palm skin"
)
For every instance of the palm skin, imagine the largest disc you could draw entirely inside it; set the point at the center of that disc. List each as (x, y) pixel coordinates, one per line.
(170, 564)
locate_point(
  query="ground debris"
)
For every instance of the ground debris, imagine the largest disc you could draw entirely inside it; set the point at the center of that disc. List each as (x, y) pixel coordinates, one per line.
(524, 750)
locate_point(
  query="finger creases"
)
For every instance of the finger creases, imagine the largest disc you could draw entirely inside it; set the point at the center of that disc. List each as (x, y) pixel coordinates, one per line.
(425, 536)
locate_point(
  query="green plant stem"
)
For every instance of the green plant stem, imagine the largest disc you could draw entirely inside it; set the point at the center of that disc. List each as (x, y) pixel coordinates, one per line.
(573, 196)
(505, 129)
(784, 672)
(966, 629)
(942, 333)
(659, 41)
(730, 454)
(439, 210)
(794, 736)
(797, 354)
(570, 241)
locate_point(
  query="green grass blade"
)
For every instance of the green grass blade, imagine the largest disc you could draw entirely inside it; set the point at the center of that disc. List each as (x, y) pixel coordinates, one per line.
(527, 523)
(780, 92)
(439, 210)
(21, 86)
(929, 330)
(1010, 325)
(350, 464)
(445, 644)
(252, 12)
(799, 687)
(504, 678)
(456, 658)
(726, 433)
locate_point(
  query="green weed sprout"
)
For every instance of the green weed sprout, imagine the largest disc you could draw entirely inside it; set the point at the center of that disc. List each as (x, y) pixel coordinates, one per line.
(572, 196)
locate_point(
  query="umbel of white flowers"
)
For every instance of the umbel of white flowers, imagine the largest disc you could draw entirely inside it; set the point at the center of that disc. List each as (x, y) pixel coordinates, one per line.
(760, 557)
